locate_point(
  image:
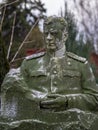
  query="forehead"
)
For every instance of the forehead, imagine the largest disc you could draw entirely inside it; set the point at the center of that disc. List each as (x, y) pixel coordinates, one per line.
(54, 24)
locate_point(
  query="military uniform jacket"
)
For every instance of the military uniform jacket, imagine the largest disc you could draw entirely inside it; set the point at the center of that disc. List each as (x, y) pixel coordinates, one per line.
(69, 75)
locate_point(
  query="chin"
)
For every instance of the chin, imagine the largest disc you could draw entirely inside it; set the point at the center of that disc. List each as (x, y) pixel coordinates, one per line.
(52, 48)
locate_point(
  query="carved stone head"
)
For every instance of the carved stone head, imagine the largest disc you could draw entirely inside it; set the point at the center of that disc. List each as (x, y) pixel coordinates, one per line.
(55, 32)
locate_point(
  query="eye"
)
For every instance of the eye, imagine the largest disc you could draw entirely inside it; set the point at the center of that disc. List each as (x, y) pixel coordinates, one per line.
(46, 32)
(54, 32)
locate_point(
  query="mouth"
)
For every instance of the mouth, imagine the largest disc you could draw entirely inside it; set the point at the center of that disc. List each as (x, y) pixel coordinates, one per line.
(51, 44)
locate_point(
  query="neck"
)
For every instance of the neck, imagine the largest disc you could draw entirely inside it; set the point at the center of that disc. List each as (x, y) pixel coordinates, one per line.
(61, 52)
(57, 53)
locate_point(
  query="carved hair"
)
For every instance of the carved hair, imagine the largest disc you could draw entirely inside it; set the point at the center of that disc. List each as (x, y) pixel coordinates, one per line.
(58, 22)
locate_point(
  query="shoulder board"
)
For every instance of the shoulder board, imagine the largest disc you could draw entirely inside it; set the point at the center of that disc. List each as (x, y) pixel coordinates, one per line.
(76, 57)
(35, 56)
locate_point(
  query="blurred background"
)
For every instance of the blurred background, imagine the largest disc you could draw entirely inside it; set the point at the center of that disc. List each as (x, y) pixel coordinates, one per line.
(21, 30)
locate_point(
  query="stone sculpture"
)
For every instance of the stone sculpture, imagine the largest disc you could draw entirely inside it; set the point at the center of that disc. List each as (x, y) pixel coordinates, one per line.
(52, 90)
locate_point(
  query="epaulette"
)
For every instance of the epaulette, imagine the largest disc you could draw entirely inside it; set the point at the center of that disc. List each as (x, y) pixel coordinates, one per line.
(76, 57)
(36, 55)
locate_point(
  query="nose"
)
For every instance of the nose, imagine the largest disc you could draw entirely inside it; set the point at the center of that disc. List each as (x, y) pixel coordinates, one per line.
(49, 37)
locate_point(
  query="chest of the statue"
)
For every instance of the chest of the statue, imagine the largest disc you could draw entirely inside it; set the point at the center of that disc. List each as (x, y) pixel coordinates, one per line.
(55, 78)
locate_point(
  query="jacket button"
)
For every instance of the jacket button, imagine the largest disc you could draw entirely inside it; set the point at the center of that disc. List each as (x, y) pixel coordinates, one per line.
(69, 63)
(55, 72)
(55, 83)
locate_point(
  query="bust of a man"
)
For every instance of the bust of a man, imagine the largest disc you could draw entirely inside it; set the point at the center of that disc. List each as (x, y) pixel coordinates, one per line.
(55, 82)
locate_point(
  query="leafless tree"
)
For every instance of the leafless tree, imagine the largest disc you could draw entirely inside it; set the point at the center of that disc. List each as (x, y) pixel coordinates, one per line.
(86, 12)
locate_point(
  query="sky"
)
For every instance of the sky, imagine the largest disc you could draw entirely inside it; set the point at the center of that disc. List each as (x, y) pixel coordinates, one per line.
(2, 1)
(53, 6)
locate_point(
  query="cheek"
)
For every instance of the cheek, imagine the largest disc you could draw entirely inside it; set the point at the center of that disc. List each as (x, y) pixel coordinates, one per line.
(59, 35)
(57, 40)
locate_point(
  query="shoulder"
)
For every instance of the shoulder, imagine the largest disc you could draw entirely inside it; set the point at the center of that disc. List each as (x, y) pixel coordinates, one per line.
(76, 57)
(34, 56)
(32, 61)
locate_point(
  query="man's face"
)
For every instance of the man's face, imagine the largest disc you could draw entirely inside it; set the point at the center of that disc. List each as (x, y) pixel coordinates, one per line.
(53, 37)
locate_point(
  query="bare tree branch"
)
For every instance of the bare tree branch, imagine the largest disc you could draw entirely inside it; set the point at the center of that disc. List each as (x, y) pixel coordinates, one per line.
(6, 4)
(2, 18)
(25, 40)
(12, 35)
(29, 41)
(88, 19)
